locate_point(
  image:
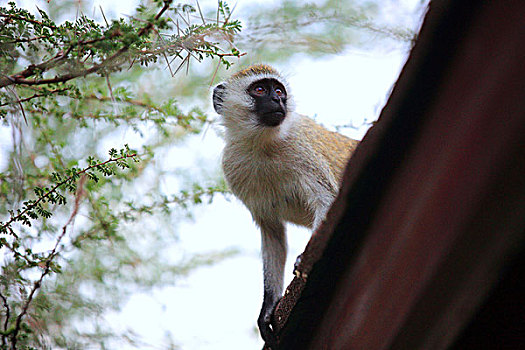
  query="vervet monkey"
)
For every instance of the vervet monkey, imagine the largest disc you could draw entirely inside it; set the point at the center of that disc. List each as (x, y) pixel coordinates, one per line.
(283, 166)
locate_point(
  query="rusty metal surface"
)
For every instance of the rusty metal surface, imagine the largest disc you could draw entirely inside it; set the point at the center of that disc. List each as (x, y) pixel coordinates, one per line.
(432, 204)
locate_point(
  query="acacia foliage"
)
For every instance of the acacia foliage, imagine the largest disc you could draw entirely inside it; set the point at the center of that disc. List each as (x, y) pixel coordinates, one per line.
(76, 234)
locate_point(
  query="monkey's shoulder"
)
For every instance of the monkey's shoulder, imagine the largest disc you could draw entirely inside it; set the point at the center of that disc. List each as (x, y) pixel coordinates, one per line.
(332, 146)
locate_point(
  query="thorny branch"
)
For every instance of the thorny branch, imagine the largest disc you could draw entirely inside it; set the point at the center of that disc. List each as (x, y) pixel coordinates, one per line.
(5, 226)
(220, 55)
(47, 266)
(18, 101)
(17, 41)
(130, 101)
(25, 19)
(36, 286)
(21, 77)
(7, 315)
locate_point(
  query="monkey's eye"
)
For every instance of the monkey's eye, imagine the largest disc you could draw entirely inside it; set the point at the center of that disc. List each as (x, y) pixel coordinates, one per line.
(259, 90)
(279, 92)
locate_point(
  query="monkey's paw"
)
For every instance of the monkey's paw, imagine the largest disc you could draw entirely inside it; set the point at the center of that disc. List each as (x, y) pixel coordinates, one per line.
(265, 326)
(296, 265)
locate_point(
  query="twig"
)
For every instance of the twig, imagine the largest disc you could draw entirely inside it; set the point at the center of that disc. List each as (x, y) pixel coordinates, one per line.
(220, 55)
(61, 183)
(16, 253)
(108, 82)
(32, 97)
(130, 101)
(36, 286)
(21, 18)
(7, 316)
(17, 41)
(215, 74)
(13, 91)
(351, 125)
(47, 268)
(180, 199)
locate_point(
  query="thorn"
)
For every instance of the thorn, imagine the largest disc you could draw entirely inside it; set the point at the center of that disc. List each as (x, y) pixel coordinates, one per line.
(200, 12)
(103, 15)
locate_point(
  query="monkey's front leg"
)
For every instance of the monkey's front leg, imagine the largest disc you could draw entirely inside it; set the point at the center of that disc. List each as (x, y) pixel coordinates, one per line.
(321, 208)
(274, 259)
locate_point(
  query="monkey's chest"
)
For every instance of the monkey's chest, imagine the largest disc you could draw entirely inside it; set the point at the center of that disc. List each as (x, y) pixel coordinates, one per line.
(271, 188)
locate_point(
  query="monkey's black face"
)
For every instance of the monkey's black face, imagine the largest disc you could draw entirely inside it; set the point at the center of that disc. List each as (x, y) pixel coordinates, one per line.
(270, 101)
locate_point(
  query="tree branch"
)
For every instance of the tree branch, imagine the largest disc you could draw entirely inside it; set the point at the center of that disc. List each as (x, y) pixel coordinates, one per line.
(21, 77)
(47, 269)
(7, 315)
(33, 96)
(17, 41)
(25, 19)
(5, 226)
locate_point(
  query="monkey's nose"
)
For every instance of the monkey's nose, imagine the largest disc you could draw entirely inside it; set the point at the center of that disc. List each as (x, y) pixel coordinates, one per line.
(275, 97)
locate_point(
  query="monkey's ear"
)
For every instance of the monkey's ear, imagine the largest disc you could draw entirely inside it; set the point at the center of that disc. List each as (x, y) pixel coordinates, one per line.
(218, 97)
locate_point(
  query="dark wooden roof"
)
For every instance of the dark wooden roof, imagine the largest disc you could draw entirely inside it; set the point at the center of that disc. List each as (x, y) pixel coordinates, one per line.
(422, 248)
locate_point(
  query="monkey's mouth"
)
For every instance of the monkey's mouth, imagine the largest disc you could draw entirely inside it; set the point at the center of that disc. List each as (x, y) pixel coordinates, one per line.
(272, 118)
